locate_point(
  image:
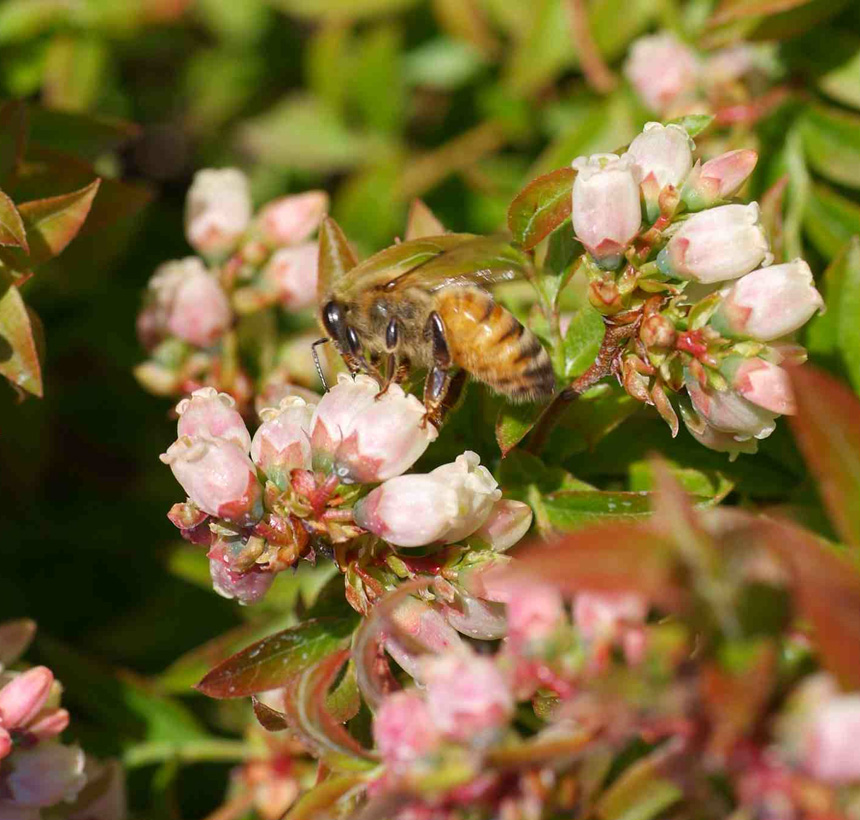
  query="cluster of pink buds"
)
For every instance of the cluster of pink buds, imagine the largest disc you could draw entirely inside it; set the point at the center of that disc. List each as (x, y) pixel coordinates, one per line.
(36, 770)
(246, 263)
(672, 79)
(305, 480)
(684, 276)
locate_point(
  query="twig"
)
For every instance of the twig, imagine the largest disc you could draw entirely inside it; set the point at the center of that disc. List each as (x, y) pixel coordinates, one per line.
(597, 73)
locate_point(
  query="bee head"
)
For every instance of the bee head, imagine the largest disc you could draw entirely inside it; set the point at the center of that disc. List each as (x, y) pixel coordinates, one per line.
(333, 316)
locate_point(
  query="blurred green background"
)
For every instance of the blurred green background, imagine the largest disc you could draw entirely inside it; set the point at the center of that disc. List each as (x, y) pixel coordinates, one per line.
(459, 102)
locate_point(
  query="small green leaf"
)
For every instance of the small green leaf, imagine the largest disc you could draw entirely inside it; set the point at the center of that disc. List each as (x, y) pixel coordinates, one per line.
(582, 341)
(830, 220)
(826, 429)
(19, 355)
(571, 509)
(11, 225)
(693, 124)
(831, 140)
(342, 10)
(514, 422)
(275, 660)
(541, 207)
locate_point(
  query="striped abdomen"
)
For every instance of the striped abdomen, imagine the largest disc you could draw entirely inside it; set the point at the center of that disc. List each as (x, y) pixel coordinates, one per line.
(486, 340)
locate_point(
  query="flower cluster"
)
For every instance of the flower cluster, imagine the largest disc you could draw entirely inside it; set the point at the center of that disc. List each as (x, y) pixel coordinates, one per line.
(37, 771)
(689, 274)
(304, 482)
(247, 263)
(671, 79)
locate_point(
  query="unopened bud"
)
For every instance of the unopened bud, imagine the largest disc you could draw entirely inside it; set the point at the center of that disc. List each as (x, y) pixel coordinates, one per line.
(210, 413)
(292, 219)
(506, 524)
(292, 274)
(282, 443)
(729, 412)
(718, 179)
(217, 210)
(23, 697)
(662, 70)
(664, 155)
(657, 331)
(759, 381)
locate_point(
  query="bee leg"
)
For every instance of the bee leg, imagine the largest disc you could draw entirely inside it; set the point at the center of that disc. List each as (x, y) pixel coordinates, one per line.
(402, 371)
(391, 334)
(439, 375)
(454, 393)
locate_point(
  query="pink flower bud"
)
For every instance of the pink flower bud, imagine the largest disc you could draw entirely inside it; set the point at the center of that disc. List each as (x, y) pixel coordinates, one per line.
(404, 729)
(466, 694)
(600, 616)
(50, 724)
(245, 587)
(292, 219)
(217, 210)
(187, 301)
(662, 70)
(664, 155)
(506, 524)
(211, 414)
(24, 697)
(768, 303)
(606, 210)
(281, 443)
(419, 629)
(831, 743)
(217, 476)
(443, 506)
(714, 245)
(369, 437)
(292, 274)
(728, 412)
(5, 743)
(760, 382)
(534, 612)
(45, 774)
(718, 179)
(714, 439)
(729, 64)
(15, 637)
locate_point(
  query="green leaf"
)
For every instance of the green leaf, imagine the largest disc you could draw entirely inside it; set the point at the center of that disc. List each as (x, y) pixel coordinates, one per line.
(514, 422)
(693, 124)
(641, 792)
(572, 509)
(11, 225)
(344, 10)
(830, 220)
(831, 140)
(313, 803)
(541, 207)
(582, 341)
(84, 135)
(274, 661)
(827, 431)
(19, 355)
(376, 64)
(730, 10)
(442, 63)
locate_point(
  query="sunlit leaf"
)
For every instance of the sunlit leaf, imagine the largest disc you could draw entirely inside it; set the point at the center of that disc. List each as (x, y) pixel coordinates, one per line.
(314, 803)
(275, 660)
(831, 139)
(541, 207)
(830, 220)
(514, 422)
(335, 258)
(582, 341)
(341, 9)
(422, 222)
(11, 225)
(442, 63)
(828, 433)
(19, 355)
(693, 124)
(571, 509)
(738, 9)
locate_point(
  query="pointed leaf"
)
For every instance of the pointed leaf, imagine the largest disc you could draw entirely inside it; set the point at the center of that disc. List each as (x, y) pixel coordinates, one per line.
(571, 509)
(730, 10)
(827, 431)
(514, 423)
(11, 226)
(422, 222)
(541, 207)
(340, 10)
(19, 354)
(831, 139)
(335, 257)
(13, 137)
(270, 719)
(830, 220)
(278, 659)
(85, 135)
(693, 124)
(314, 804)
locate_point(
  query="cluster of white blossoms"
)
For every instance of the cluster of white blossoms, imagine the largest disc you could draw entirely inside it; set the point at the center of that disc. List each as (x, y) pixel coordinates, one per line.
(667, 249)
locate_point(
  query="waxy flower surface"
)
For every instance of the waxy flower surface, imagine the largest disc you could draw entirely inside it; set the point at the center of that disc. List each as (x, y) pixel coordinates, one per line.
(217, 210)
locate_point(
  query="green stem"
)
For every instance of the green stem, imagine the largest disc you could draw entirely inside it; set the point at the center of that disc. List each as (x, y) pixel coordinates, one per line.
(190, 751)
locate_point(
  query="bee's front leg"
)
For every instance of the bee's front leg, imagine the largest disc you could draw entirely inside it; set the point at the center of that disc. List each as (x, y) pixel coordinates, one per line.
(392, 368)
(439, 375)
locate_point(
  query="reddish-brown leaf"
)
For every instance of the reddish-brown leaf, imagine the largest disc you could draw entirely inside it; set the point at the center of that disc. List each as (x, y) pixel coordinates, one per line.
(11, 225)
(422, 222)
(541, 207)
(827, 427)
(19, 353)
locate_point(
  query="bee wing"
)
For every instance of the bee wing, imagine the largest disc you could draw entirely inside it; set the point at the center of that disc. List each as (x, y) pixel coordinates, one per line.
(391, 264)
(483, 260)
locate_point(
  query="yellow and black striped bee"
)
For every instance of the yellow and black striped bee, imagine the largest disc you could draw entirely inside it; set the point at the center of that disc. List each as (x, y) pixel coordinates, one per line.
(425, 303)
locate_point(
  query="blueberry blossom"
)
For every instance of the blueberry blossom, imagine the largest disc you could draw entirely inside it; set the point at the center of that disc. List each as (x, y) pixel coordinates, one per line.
(210, 413)
(290, 220)
(718, 179)
(663, 71)
(291, 273)
(664, 155)
(217, 210)
(282, 442)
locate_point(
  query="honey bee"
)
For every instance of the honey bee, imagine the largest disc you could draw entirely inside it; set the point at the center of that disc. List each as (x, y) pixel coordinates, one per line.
(425, 303)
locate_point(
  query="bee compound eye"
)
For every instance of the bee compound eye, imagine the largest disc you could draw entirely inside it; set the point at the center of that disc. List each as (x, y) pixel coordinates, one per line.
(353, 340)
(333, 318)
(391, 335)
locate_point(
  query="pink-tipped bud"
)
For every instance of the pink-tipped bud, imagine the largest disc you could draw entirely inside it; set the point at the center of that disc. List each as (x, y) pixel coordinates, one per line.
(506, 524)
(185, 300)
(534, 612)
(606, 210)
(291, 274)
(5, 743)
(212, 414)
(760, 382)
(729, 412)
(45, 775)
(444, 506)
(282, 442)
(718, 179)
(365, 436)
(217, 210)
(715, 245)
(768, 303)
(418, 629)
(664, 154)
(601, 616)
(404, 729)
(713, 439)
(245, 587)
(292, 219)
(218, 477)
(466, 695)
(24, 697)
(49, 725)
(662, 70)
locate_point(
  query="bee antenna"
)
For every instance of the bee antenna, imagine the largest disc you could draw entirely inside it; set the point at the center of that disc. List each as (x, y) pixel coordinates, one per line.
(317, 362)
